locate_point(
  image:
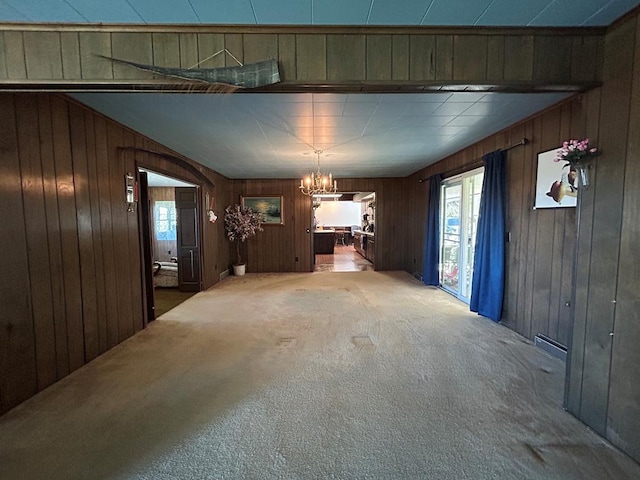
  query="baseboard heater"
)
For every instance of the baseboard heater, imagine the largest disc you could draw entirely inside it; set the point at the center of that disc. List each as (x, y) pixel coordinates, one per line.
(551, 347)
(224, 274)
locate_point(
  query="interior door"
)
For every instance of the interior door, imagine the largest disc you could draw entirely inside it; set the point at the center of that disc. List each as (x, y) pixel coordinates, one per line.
(144, 209)
(459, 222)
(188, 239)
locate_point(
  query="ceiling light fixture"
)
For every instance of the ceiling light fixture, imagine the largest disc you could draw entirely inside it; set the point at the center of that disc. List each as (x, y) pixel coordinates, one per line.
(317, 183)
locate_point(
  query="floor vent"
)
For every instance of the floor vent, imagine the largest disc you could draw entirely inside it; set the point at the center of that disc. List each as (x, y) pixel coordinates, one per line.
(552, 347)
(224, 274)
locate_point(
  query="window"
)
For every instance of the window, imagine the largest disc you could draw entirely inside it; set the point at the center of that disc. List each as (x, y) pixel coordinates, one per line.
(165, 220)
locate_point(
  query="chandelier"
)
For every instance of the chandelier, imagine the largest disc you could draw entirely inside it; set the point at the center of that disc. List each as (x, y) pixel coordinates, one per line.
(317, 183)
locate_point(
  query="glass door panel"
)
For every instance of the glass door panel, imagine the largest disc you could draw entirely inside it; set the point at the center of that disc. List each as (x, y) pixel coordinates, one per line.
(460, 208)
(450, 243)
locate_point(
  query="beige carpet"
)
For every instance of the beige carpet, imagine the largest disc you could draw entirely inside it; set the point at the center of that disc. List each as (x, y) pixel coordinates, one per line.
(362, 375)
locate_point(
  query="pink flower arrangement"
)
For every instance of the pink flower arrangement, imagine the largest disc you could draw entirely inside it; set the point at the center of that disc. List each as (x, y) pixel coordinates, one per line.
(241, 223)
(574, 151)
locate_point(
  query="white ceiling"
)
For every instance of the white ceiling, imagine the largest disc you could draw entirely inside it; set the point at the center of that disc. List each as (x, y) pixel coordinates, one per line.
(158, 180)
(322, 12)
(275, 135)
(245, 135)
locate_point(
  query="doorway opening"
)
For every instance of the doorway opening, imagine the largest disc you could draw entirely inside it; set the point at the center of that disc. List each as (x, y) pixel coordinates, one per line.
(344, 232)
(170, 240)
(458, 226)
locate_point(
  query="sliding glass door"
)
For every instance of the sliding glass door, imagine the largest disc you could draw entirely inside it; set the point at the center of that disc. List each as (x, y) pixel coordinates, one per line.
(458, 226)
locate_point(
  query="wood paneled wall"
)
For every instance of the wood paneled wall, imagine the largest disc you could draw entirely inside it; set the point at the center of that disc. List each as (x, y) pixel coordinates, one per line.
(602, 322)
(540, 254)
(163, 250)
(71, 285)
(333, 57)
(603, 389)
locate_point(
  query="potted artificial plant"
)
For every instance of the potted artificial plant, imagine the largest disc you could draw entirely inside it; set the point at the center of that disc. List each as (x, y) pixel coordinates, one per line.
(241, 224)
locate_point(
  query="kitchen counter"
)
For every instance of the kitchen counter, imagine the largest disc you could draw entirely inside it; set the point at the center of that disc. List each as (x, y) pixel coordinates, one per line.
(324, 241)
(370, 234)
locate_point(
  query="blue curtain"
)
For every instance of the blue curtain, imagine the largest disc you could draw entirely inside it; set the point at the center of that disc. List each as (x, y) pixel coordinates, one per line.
(432, 238)
(487, 288)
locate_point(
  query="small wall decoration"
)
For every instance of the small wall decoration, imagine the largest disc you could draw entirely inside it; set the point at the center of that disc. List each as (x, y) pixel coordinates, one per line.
(556, 183)
(270, 206)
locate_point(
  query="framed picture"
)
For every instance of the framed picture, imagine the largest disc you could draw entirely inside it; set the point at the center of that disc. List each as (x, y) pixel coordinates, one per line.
(270, 206)
(556, 184)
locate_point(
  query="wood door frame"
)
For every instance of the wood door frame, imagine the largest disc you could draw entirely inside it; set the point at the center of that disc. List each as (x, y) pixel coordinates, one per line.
(146, 271)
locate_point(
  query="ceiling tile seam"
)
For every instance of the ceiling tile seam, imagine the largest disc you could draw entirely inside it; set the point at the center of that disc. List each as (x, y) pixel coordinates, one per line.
(75, 10)
(253, 10)
(136, 12)
(369, 12)
(427, 12)
(11, 7)
(541, 12)
(193, 9)
(486, 9)
(604, 7)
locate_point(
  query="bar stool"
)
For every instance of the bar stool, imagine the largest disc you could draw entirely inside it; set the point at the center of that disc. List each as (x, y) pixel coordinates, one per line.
(340, 236)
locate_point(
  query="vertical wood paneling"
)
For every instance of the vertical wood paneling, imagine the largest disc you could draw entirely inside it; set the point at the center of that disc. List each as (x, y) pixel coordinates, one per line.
(552, 58)
(36, 232)
(96, 230)
(135, 47)
(93, 66)
(444, 57)
(470, 57)
(68, 232)
(583, 265)
(85, 235)
(518, 57)
(234, 42)
(18, 379)
(545, 238)
(133, 240)
(43, 55)
(346, 57)
(208, 45)
(586, 57)
(54, 241)
(624, 405)
(117, 171)
(188, 50)
(495, 58)
(311, 57)
(14, 55)
(103, 158)
(287, 57)
(352, 57)
(422, 57)
(166, 49)
(259, 47)
(400, 60)
(3, 57)
(608, 191)
(379, 57)
(70, 52)
(73, 287)
(515, 213)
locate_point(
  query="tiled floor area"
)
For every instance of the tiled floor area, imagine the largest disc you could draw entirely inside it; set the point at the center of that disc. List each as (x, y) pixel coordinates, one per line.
(344, 259)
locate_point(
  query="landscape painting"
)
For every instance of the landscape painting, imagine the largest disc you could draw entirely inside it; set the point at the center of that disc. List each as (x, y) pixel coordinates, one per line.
(270, 206)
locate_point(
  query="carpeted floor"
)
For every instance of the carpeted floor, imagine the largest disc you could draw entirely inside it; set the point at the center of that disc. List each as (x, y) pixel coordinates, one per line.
(363, 375)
